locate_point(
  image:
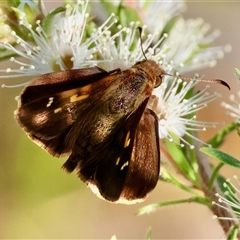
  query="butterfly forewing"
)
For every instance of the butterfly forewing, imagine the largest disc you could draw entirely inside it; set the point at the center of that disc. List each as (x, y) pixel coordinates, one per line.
(52, 83)
(50, 117)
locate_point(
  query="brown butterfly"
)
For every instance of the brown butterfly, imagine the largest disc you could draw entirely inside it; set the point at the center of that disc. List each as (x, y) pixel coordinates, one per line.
(100, 120)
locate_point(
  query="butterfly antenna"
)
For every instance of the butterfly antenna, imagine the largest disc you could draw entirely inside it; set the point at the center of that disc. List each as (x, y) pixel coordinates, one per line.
(184, 78)
(141, 42)
(204, 80)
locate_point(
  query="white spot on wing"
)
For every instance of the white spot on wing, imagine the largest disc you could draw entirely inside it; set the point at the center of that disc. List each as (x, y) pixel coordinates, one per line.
(57, 110)
(127, 140)
(75, 97)
(50, 102)
(124, 165)
(118, 160)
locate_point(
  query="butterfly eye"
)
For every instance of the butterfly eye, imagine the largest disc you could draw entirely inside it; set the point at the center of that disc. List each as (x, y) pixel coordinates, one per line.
(158, 81)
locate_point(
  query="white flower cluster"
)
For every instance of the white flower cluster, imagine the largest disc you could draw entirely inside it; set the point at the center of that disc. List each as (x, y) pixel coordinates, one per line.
(67, 44)
(234, 108)
(231, 200)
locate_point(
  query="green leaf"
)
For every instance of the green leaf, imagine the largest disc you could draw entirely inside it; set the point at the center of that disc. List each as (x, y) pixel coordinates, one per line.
(169, 178)
(237, 71)
(17, 2)
(149, 234)
(109, 7)
(47, 22)
(233, 234)
(169, 25)
(215, 175)
(223, 157)
(153, 207)
(30, 14)
(7, 57)
(218, 139)
(221, 181)
(7, 4)
(127, 15)
(179, 157)
(16, 11)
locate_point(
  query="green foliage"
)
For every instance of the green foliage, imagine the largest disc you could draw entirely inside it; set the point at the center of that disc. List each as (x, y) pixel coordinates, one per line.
(127, 15)
(155, 206)
(47, 22)
(183, 162)
(233, 234)
(215, 175)
(13, 9)
(221, 156)
(237, 71)
(170, 24)
(185, 159)
(149, 234)
(166, 176)
(219, 138)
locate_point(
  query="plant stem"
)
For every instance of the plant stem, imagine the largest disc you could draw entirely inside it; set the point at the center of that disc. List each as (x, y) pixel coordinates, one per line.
(205, 172)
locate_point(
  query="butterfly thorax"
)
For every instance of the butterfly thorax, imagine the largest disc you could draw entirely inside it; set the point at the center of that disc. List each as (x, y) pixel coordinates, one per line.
(128, 92)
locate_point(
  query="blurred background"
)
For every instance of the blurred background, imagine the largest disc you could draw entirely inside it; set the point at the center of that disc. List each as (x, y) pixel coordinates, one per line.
(39, 200)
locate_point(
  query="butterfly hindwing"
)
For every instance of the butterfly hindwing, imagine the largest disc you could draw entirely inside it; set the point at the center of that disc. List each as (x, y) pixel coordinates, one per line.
(114, 167)
(144, 166)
